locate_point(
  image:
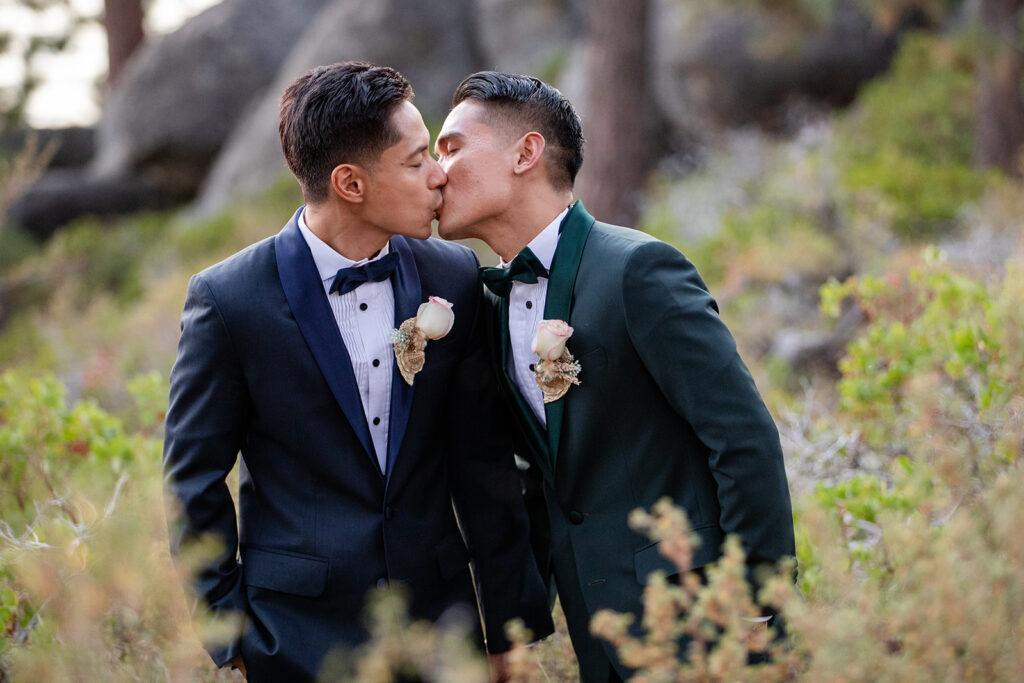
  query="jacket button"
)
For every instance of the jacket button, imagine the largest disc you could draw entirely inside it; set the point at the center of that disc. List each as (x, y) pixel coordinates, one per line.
(382, 582)
(576, 517)
(388, 513)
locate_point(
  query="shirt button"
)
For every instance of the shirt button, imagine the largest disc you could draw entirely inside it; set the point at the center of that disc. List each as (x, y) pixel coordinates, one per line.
(533, 367)
(376, 421)
(529, 304)
(362, 307)
(376, 362)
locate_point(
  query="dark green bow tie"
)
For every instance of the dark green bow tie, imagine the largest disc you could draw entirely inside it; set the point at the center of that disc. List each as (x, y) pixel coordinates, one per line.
(525, 267)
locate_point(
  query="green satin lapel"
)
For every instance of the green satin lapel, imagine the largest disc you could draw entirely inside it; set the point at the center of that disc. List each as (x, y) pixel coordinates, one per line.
(564, 266)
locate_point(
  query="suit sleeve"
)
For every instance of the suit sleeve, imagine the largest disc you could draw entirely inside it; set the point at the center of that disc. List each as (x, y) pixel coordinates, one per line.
(203, 435)
(488, 497)
(674, 325)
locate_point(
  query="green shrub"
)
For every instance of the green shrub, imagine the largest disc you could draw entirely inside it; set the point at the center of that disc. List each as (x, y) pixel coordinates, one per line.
(914, 595)
(932, 590)
(87, 589)
(907, 145)
(716, 616)
(197, 238)
(938, 374)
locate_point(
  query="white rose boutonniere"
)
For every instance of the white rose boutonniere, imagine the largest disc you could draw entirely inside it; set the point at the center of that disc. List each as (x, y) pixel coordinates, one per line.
(557, 369)
(434, 319)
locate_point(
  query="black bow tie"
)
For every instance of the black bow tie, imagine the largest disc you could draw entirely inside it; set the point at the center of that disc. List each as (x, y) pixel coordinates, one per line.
(348, 279)
(525, 267)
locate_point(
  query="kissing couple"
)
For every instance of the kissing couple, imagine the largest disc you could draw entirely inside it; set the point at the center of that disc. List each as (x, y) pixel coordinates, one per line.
(378, 385)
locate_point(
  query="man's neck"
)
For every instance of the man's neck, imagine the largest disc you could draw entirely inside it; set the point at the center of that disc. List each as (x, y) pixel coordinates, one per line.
(343, 233)
(522, 224)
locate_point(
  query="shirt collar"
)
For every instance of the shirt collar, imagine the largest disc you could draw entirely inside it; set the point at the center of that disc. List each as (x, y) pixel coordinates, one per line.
(328, 261)
(543, 245)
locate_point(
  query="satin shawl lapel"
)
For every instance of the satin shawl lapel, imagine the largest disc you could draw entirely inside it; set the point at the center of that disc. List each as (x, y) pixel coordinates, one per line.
(308, 301)
(564, 266)
(405, 283)
(534, 430)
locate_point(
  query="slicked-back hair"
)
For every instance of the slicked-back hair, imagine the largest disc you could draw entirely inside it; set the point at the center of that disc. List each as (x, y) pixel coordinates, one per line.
(338, 114)
(523, 104)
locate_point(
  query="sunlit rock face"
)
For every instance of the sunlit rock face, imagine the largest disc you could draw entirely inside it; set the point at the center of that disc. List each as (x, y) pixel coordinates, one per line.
(433, 43)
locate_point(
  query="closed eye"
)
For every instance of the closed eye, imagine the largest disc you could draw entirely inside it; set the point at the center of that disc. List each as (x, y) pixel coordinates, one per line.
(424, 155)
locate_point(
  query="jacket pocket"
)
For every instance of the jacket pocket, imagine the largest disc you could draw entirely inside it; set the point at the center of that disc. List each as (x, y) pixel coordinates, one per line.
(304, 575)
(452, 557)
(649, 558)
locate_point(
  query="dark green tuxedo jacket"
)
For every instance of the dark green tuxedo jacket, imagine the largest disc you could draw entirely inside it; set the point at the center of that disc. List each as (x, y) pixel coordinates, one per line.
(665, 407)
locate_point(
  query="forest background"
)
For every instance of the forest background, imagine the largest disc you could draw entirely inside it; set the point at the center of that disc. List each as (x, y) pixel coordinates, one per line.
(846, 175)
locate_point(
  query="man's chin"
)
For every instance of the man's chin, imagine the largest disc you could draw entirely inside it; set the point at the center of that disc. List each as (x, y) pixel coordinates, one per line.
(450, 231)
(420, 233)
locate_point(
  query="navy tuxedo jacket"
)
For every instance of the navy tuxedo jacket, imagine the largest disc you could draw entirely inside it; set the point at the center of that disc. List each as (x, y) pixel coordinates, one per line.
(263, 371)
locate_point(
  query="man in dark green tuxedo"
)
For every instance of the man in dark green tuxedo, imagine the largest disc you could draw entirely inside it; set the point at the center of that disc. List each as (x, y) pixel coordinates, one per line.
(664, 405)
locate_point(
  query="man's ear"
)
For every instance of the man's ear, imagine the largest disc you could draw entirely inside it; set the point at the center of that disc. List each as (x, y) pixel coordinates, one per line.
(528, 152)
(348, 181)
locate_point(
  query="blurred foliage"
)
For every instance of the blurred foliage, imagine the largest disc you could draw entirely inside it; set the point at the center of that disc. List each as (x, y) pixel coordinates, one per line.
(18, 173)
(909, 140)
(790, 23)
(64, 19)
(698, 628)
(15, 175)
(100, 302)
(931, 589)
(901, 580)
(87, 591)
(757, 247)
(400, 649)
(894, 168)
(818, 14)
(939, 372)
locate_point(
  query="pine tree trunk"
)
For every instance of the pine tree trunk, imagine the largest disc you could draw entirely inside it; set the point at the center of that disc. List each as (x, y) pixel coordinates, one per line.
(618, 147)
(123, 21)
(999, 126)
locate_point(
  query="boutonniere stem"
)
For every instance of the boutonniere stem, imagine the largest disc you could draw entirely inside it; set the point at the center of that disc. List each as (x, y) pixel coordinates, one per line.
(557, 370)
(434, 320)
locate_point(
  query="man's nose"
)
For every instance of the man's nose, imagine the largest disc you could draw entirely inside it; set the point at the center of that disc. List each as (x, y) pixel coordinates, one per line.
(444, 163)
(438, 177)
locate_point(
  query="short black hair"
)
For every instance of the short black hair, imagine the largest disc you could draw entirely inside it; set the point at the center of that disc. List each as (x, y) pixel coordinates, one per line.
(528, 103)
(338, 114)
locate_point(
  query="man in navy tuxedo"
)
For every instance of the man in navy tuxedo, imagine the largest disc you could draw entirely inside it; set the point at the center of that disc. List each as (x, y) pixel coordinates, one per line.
(348, 473)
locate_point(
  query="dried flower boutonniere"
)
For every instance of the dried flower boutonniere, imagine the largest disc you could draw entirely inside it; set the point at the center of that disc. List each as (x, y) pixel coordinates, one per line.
(557, 369)
(434, 319)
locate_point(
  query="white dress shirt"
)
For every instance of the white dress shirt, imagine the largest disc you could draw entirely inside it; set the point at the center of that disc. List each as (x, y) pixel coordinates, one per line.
(365, 318)
(525, 311)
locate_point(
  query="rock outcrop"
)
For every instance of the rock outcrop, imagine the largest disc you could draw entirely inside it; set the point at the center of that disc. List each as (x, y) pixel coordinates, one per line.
(174, 106)
(431, 42)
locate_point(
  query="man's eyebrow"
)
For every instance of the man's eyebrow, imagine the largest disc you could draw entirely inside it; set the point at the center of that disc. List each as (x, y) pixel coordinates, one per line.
(418, 152)
(447, 136)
